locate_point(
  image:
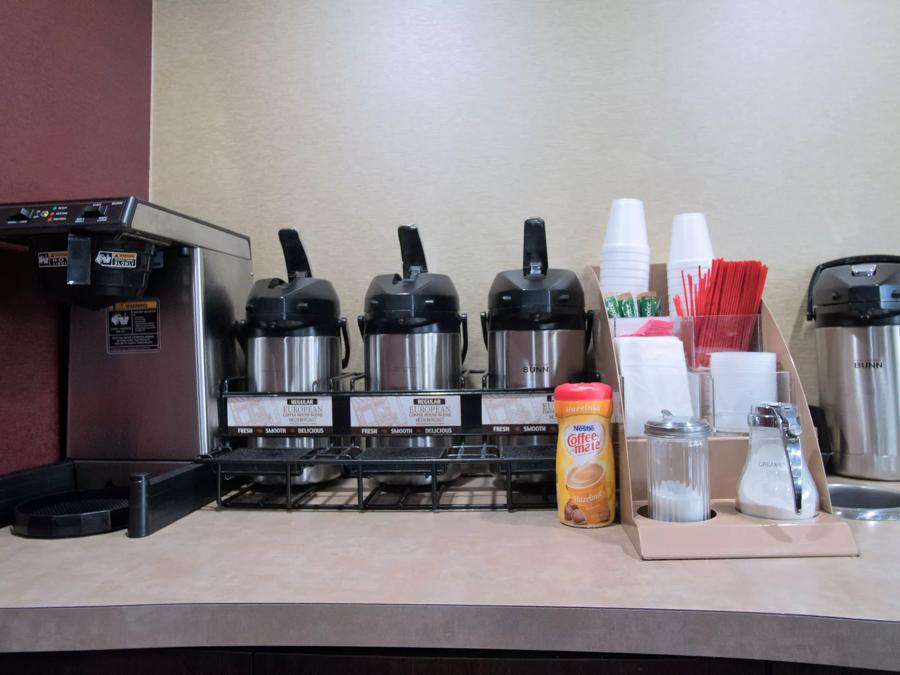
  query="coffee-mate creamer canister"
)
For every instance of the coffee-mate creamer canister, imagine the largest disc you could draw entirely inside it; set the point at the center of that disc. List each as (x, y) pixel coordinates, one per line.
(585, 472)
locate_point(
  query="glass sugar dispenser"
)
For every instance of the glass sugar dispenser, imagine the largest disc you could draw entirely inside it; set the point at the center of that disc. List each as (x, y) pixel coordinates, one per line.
(678, 468)
(776, 482)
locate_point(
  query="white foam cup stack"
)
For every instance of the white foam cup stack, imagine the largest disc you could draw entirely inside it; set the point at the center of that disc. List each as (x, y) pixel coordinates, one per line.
(690, 255)
(625, 258)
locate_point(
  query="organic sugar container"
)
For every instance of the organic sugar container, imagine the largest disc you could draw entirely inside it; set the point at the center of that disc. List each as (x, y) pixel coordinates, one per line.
(585, 470)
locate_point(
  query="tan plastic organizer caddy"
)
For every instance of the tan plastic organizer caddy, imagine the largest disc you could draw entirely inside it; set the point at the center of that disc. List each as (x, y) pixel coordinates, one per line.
(730, 534)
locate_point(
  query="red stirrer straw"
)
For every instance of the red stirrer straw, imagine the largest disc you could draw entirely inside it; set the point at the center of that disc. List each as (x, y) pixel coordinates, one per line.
(723, 302)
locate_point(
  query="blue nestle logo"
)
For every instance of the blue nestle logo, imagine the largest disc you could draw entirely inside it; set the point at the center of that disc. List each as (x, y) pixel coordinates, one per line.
(583, 427)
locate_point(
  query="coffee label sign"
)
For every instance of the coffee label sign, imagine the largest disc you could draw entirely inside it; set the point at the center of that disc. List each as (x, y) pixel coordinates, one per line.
(399, 415)
(279, 415)
(133, 327)
(517, 414)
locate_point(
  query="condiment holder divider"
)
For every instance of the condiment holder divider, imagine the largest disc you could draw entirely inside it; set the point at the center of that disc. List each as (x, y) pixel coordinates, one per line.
(703, 391)
(729, 533)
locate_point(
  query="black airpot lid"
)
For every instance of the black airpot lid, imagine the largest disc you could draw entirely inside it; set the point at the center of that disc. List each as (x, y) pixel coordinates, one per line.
(535, 293)
(301, 301)
(858, 291)
(417, 297)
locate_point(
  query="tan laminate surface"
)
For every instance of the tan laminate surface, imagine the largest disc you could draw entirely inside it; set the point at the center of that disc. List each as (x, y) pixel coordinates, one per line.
(444, 581)
(499, 558)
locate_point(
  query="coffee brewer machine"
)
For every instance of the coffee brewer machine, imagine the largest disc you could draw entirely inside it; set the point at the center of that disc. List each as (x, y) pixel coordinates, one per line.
(536, 329)
(415, 339)
(292, 337)
(152, 297)
(855, 303)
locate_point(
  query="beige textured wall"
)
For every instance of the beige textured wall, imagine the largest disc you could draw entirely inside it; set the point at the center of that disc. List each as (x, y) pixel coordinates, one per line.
(780, 120)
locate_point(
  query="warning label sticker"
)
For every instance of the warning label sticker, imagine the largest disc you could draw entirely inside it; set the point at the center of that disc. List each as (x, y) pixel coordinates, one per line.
(133, 326)
(53, 259)
(117, 259)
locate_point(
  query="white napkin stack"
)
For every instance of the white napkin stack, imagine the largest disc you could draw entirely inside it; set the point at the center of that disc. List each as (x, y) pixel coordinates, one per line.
(654, 378)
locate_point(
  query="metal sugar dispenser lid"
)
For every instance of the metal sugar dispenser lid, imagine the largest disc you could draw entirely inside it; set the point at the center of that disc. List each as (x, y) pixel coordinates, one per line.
(783, 416)
(677, 427)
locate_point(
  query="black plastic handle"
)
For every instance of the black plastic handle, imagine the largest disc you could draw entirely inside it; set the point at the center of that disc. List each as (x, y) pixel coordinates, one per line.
(534, 248)
(346, 338)
(78, 266)
(361, 322)
(840, 262)
(239, 329)
(411, 251)
(464, 324)
(484, 328)
(294, 254)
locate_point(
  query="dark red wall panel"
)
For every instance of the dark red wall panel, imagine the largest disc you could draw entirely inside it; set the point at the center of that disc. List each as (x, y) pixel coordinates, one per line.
(74, 122)
(31, 360)
(75, 107)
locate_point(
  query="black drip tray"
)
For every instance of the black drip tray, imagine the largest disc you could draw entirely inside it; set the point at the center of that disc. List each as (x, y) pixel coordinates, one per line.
(72, 514)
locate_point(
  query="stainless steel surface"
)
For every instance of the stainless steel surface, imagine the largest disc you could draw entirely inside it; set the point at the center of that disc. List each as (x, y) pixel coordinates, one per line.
(783, 416)
(159, 405)
(413, 362)
(859, 389)
(861, 502)
(161, 223)
(525, 359)
(127, 217)
(223, 282)
(284, 364)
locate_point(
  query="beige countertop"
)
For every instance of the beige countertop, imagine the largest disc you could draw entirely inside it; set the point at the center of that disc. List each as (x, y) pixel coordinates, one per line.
(457, 580)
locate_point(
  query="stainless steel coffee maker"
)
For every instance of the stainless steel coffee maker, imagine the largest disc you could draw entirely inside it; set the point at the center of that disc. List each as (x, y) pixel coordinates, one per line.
(151, 296)
(415, 339)
(536, 329)
(855, 303)
(292, 336)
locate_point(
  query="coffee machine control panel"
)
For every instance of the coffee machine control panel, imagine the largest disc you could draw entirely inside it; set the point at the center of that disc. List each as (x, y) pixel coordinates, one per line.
(25, 219)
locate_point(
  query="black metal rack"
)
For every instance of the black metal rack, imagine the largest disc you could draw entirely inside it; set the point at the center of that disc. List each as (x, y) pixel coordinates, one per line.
(496, 475)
